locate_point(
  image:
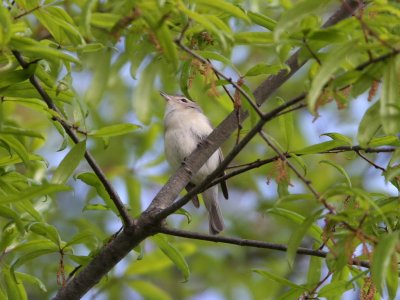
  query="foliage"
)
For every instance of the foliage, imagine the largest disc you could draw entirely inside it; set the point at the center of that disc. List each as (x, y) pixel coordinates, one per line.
(330, 175)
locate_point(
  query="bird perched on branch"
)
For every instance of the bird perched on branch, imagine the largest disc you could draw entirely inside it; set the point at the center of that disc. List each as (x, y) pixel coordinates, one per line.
(185, 127)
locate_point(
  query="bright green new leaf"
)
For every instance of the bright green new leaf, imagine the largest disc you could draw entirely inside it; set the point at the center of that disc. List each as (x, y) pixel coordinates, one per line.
(369, 125)
(384, 141)
(46, 230)
(142, 98)
(261, 69)
(245, 38)
(329, 66)
(279, 279)
(298, 235)
(15, 290)
(262, 20)
(314, 230)
(16, 146)
(33, 192)
(148, 290)
(291, 18)
(114, 130)
(92, 180)
(321, 147)
(83, 237)
(224, 6)
(38, 49)
(69, 163)
(173, 254)
(5, 26)
(337, 288)
(381, 258)
(339, 168)
(339, 137)
(31, 280)
(390, 99)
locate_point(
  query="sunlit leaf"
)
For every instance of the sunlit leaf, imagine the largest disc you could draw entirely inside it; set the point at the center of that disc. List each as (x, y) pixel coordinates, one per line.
(69, 163)
(173, 254)
(114, 130)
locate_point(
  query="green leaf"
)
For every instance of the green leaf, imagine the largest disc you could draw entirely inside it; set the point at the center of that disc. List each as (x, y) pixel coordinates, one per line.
(339, 168)
(214, 56)
(384, 141)
(334, 289)
(315, 267)
(261, 69)
(142, 100)
(33, 192)
(245, 38)
(381, 258)
(292, 17)
(15, 159)
(314, 230)
(14, 289)
(104, 20)
(321, 147)
(390, 98)
(5, 129)
(148, 290)
(31, 279)
(339, 137)
(224, 6)
(5, 26)
(203, 20)
(298, 235)
(185, 77)
(279, 279)
(83, 237)
(167, 44)
(325, 72)
(69, 163)
(14, 76)
(173, 254)
(369, 125)
(157, 261)
(59, 24)
(30, 46)
(46, 230)
(9, 213)
(101, 75)
(92, 180)
(262, 20)
(16, 146)
(114, 130)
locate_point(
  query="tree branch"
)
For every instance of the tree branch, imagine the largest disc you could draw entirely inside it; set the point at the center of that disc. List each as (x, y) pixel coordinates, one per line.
(250, 243)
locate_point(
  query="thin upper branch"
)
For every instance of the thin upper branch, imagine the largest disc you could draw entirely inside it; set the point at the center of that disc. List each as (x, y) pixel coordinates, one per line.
(126, 218)
(250, 243)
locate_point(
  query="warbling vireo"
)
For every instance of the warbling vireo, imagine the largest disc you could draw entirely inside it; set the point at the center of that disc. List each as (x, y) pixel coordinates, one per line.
(185, 127)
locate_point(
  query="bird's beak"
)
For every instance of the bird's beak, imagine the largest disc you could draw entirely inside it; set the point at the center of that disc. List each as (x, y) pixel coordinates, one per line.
(166, 96)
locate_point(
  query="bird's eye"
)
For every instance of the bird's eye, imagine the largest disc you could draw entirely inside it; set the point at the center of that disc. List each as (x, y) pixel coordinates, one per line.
(184, 100)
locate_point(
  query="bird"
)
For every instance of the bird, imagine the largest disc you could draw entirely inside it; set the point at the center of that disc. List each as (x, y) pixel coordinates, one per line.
(185, 127)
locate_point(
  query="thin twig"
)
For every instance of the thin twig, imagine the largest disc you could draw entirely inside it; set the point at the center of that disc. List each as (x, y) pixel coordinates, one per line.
(126, 218)
(250, 243)
(370, 162)
(259, 163)
(229, 79)
(299, 175)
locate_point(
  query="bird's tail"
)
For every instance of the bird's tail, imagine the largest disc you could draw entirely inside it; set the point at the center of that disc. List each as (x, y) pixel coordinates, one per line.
(216, 220)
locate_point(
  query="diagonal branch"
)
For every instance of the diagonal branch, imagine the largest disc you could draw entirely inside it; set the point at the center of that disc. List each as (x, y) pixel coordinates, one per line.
(126, 218)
